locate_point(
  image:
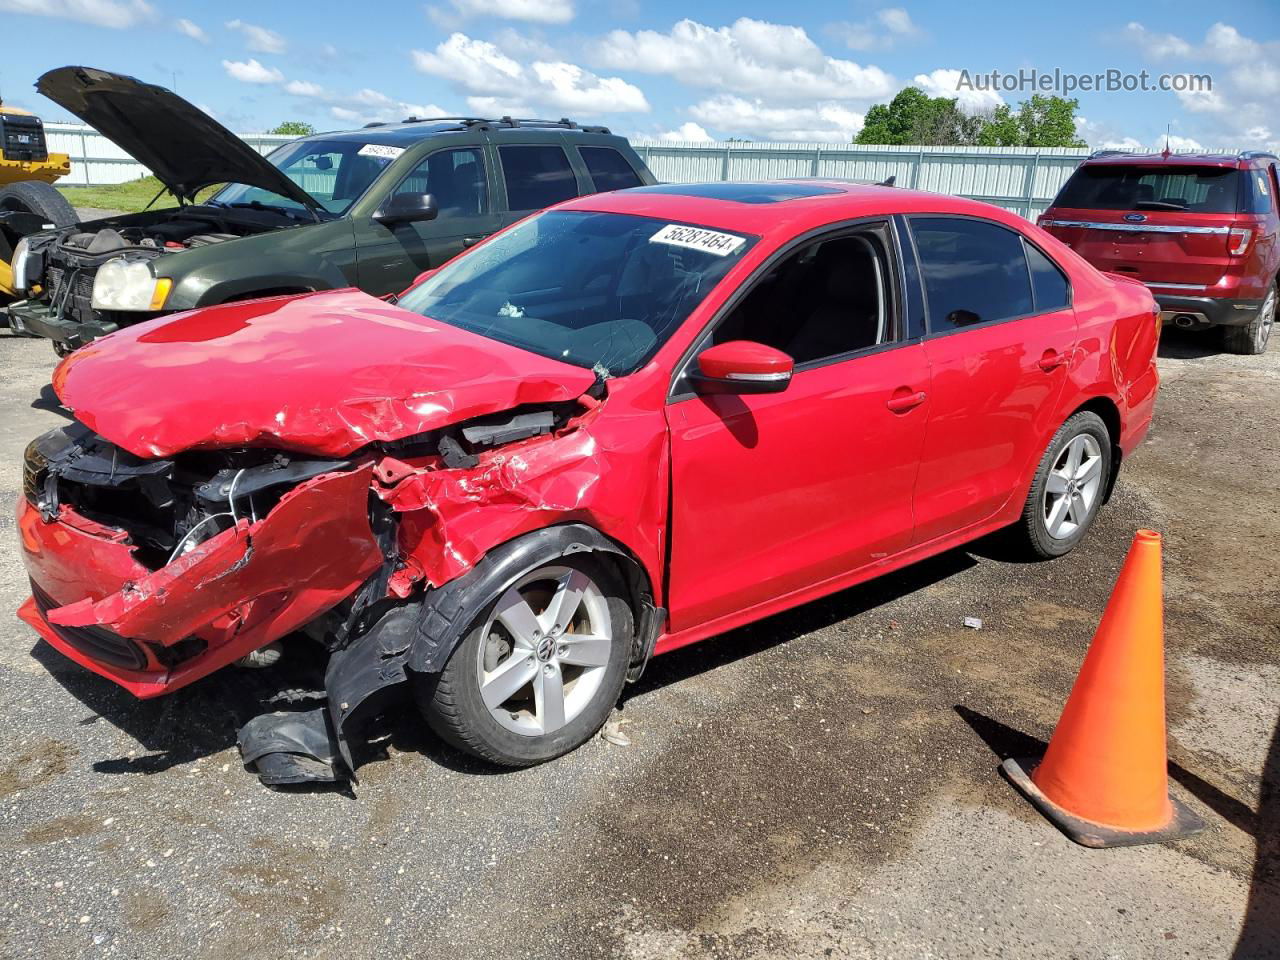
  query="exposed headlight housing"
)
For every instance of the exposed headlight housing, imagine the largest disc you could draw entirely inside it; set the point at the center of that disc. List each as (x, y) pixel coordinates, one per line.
(19, 265)
(123, 284)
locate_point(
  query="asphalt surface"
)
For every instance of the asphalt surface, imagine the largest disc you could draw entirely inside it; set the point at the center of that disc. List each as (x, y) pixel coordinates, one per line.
(822, 784)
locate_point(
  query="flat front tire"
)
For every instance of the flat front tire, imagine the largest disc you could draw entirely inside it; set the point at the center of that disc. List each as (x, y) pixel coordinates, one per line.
(541, 669)
(1068, 488)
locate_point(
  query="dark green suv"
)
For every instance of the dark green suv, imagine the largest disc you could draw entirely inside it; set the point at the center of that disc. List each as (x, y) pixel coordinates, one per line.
(369, 208)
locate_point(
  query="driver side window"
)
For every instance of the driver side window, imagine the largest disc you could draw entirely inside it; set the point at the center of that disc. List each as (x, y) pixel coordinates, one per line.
(456, 178)
(827, 299)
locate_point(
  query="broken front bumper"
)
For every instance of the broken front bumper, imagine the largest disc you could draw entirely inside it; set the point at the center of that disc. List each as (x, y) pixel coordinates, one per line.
(31, 318)
(153, 631)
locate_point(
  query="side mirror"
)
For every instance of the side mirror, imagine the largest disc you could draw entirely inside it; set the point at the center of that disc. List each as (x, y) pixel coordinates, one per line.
(407, 208)
(742, 366)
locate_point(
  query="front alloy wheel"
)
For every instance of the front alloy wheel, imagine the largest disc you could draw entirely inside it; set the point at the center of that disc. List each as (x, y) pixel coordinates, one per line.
(540, 671)
(545, 651)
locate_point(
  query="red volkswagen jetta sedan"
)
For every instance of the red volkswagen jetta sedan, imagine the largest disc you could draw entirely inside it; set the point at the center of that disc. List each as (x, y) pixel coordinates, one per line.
(623, 425)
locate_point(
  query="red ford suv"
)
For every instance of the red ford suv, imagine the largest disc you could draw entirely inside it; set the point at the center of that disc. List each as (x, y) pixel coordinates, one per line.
(1200, 230)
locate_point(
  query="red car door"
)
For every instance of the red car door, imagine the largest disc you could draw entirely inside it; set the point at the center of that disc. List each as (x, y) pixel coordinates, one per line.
(775, 492)
(1001, 339)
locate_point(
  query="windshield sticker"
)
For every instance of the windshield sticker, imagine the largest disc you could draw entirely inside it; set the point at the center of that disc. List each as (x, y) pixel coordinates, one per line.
(708, 241)
(380, 151)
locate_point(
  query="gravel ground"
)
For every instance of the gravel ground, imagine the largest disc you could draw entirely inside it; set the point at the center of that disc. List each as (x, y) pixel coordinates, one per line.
(822, 784)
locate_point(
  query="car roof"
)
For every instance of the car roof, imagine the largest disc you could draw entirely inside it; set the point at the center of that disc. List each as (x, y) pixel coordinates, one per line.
(1172, 160)
(766, 208)
(410, 132)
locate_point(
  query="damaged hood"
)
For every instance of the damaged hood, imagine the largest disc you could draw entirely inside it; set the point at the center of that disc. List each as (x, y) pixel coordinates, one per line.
(181, 144)
(325, 373)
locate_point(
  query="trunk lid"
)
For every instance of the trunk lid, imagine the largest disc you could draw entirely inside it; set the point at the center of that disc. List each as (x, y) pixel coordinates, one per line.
(182, 145)
(324, 373)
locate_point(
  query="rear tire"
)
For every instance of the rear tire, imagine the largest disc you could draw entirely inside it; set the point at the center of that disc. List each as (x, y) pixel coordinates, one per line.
(1068, 489)
(526, 684)
(35, 196)
(1252, 338)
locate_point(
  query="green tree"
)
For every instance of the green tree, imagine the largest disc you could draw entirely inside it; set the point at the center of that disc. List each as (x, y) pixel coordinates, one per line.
(914, 118)
(1048, 122)
(998, 128)
(294, 128)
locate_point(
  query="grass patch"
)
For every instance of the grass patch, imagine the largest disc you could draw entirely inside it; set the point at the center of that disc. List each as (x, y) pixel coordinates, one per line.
(131, 196)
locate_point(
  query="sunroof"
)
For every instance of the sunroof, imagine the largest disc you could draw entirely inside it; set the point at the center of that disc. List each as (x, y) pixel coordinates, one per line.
(742, 192)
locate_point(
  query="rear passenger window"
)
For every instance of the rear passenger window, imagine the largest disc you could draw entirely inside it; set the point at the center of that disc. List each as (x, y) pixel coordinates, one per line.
(537, 176)
(1257, 195)
(974, 272)
(608, 168)
(1049, 287)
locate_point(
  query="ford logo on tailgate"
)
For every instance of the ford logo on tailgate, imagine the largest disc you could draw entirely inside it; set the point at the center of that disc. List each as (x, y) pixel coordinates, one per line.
(1136, 217)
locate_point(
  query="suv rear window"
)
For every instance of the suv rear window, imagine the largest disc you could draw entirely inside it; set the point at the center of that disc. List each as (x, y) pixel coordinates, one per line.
(608, 168)
(537, 176)
(1138, 187)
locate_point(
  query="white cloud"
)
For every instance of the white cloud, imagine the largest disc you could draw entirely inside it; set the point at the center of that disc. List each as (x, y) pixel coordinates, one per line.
(363, 106)
(755, 119)
(518, 44)
(116, 14)
(889, 27)
(494, 81)
(748, 57)
(687, 132)
(1226, 44)
(944, 81)
(1175, 142)
(1261, 78)
(305, 88)
(189, 29)
(897, 21)
(258, 39)
(534, 11)
(251, 71)
(1157, 46)
(1202, 101)
(1240, 108)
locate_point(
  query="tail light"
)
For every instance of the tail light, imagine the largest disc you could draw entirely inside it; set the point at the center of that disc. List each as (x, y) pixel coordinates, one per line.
(1238, 240)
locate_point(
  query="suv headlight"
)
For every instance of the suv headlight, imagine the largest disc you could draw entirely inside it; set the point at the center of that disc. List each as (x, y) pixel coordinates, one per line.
(19, 266)
(128, 285)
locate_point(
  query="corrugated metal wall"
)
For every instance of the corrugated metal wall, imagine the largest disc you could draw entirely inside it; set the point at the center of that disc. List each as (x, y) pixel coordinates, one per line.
(1023, 180)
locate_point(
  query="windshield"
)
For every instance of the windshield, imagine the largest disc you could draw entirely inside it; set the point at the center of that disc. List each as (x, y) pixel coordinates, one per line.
(599, 290)
(1138, 187)
(335, 172)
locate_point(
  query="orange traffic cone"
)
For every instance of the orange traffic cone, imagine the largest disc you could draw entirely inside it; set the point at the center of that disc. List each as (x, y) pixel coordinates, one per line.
(1104, 779)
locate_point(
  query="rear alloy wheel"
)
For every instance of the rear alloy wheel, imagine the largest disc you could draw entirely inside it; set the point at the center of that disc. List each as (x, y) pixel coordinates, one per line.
(540, 672)
(1252, 338)
(1068, 488)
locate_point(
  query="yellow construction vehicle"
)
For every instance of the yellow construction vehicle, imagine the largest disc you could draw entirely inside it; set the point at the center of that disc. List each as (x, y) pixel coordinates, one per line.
(28, 201)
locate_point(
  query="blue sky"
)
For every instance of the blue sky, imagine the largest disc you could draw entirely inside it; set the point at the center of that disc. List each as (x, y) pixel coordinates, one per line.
(799, 71)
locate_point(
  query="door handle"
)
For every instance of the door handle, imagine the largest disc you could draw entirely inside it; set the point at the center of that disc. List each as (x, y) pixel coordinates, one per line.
(1052, 360)
(903, 400)
(470, 241)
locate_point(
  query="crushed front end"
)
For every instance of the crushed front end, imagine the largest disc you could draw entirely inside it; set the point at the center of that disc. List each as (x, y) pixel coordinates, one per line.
(156, 572)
